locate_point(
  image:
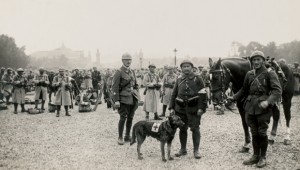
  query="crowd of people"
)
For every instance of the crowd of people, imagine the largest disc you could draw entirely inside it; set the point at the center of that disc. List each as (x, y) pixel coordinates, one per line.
(184, 91)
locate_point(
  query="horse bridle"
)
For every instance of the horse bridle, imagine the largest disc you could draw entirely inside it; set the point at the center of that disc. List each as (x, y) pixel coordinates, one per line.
(223, 70)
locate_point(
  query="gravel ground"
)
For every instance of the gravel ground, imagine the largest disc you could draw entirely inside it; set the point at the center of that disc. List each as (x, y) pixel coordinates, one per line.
(89, 141)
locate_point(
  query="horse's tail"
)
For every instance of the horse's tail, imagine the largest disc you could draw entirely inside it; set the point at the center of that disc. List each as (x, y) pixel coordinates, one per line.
(133, 136)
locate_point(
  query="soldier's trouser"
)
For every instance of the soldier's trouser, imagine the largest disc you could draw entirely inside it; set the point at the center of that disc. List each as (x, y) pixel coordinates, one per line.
(191, 121)
(259, 125)
(126, 113)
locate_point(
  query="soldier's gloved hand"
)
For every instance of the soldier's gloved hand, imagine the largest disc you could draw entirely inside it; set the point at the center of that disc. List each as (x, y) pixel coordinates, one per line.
(117, 104)
(200, 112)
(264, 104)
(172, 112)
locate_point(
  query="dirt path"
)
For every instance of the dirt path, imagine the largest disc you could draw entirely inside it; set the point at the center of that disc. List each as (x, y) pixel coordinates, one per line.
(89, 141)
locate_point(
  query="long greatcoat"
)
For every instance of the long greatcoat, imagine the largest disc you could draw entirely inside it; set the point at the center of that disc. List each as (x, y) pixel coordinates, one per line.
(7, 84)
(18, 95)
(168, 80)
(62, 96)
(152, 95)
(41, 91)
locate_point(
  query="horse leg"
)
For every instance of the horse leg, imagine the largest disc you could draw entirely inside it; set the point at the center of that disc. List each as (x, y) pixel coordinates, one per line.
(245, 148)
(287, 103)
(276, 116)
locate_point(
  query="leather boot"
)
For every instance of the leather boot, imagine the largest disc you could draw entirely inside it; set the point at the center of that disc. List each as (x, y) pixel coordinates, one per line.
(120, 141)
(147, 116)
(164, 111)
(262, 162)
(67, 112)
(57, 113)
(183, 140)
(253, 160)
(128, 128)
(23, 108)
(16, 108)
(196, 143)
(156, 117)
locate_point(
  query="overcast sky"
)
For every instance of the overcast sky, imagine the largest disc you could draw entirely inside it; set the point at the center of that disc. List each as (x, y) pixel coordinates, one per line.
(194, 27)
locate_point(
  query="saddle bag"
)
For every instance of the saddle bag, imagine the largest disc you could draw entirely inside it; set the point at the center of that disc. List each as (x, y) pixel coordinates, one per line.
(85, 107)
(34, 111)
(51, 107)
(3, 106)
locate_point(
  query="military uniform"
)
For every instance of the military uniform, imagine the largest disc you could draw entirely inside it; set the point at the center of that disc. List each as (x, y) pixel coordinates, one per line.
(97, 83)
(18, 95)
(125, 91)
(41, 81)
(7, 80)
(152, 93)
(63, 96)
(296, 72)
(187, 98)
(167, 89)
(260, 85)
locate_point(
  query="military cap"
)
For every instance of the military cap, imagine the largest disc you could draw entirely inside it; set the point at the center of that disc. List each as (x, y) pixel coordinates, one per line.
(2, 68)
(151, 65)
(126, 56)
(257, 54)
(9, 69)
(204, 70)
(200, 66)
(20, 70)
(186, 61)
(41, 69)
(296, 63)
(61, 69)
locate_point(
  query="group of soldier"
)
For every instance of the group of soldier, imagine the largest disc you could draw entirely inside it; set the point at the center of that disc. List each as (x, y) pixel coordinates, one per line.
(184, 91)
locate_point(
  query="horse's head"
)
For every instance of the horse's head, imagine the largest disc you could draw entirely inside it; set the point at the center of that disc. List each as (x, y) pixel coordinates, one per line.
(219, 79)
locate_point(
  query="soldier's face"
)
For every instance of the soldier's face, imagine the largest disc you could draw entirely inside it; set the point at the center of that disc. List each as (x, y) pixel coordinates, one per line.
(127, 62)
(152, 69)
(257, 62)
(61, 73)
(186, 68)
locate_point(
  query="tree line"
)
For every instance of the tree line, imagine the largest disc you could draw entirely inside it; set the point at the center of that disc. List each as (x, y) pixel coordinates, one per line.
(289, 51)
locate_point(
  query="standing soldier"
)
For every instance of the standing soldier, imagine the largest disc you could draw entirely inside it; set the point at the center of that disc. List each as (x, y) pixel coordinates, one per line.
(169, 80)
(296, 72)
(2, 72)
(262, 89)
(97, 84)
(189, 102)
(126, 96)
(41, 82)
(78, 80)
(151, 81)
(51, 88)
(7, 80)
(18, 96)
(63, 96)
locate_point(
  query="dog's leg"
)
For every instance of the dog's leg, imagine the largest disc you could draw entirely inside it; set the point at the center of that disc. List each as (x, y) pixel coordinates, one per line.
(140, 140)
(169, 150)
(162, 147)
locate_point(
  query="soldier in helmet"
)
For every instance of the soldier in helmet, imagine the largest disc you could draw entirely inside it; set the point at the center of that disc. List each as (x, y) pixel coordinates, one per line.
(126, 96)
(200, 68)
(167, 88)
(62, 97)
(18, 96)
(296, 72)
(151, 81)
(262, 90)
(7, 80)
(41, 83)
(189, 101)
(97, 82)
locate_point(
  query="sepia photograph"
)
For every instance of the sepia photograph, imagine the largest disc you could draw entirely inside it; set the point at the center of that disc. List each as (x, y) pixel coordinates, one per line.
(149, 84)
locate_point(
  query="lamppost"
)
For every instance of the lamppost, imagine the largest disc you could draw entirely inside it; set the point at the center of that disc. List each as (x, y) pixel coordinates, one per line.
(175, 55)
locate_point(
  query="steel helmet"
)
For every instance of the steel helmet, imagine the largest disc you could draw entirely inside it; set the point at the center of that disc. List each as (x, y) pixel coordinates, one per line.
(126, 56)
(257, 54)
(186, 61)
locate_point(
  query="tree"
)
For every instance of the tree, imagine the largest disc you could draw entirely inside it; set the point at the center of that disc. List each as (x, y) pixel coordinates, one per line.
(10, 54)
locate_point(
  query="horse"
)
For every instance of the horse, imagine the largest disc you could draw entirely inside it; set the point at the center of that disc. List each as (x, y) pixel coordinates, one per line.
(234, 70)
